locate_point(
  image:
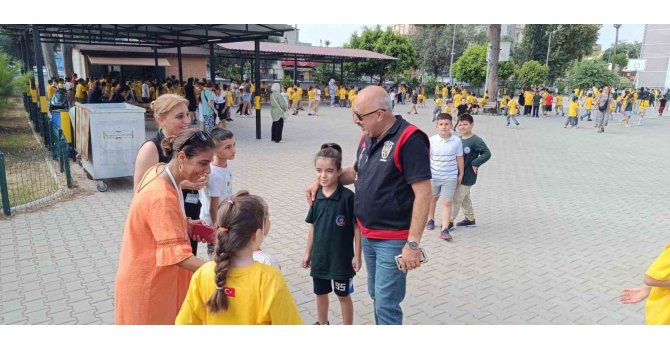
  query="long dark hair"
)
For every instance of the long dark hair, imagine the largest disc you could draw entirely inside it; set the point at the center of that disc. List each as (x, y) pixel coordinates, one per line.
(237, 221)
(194, 144)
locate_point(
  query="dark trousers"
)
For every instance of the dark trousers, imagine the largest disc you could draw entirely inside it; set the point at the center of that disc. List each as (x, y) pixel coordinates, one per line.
(277, 129)
(536, 110)
(527, 110)
(192, 212)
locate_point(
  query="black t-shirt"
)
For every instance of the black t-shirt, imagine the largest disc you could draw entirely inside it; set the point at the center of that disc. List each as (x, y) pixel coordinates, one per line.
(414, 98)
(462, 108)
(333, 244)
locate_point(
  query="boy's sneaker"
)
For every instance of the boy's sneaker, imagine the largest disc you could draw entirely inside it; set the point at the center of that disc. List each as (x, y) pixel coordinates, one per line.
(430, 225)
(445, 235)
(466, 222)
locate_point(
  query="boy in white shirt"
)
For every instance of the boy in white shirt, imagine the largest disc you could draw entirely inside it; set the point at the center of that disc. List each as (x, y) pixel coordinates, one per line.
(446, 166)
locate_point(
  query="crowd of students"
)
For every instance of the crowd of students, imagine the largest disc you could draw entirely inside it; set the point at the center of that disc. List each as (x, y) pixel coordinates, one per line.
(187, 171)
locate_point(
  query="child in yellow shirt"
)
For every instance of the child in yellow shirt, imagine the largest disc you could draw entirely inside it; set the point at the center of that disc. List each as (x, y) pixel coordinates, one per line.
(573, 111)
(588, 103)
(559, 104)
(656, 290)
(513, 107)
(234, 289)
(438, 106)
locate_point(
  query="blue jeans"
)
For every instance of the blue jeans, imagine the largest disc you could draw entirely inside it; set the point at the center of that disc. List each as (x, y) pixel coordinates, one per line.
(386, 283)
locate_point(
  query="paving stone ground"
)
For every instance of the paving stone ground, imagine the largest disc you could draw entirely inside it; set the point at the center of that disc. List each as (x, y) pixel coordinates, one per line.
(566, 219)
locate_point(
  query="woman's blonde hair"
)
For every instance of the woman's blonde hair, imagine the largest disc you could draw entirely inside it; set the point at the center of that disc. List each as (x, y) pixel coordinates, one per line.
(165, 103)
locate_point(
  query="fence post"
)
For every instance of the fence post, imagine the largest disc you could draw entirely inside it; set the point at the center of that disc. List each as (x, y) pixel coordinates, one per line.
(58, 148)
(4, 191)
(64, 158)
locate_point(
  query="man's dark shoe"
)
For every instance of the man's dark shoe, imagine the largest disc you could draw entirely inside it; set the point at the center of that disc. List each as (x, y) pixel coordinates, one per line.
(451, 225)
(430, 225)
(466, 223)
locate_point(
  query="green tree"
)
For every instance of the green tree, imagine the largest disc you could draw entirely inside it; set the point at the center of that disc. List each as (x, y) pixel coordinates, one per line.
(569, 42)
(591, 73)
(631, 50)
(471, 66)
(387, 42)
(507, 69)
(620, 60)
(12, 82)
(533, 73)
(433, 43)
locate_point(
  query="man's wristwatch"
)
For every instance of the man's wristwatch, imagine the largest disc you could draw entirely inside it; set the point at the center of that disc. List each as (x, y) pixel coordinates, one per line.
(414, 245)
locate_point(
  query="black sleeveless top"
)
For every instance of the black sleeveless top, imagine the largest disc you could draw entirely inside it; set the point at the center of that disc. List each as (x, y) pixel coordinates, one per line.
(192, 209)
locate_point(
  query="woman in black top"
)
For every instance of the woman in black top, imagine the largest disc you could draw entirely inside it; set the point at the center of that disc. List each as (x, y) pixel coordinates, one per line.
(171, 114)
(189, 93)
(96, 93)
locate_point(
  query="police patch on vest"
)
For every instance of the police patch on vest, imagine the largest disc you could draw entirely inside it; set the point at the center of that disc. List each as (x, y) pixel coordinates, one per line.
(340, 220)
(386, 151)
(466, 150)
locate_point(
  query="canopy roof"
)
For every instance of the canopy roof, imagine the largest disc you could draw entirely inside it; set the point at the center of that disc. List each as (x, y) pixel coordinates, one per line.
(276, 51)
(149, 35)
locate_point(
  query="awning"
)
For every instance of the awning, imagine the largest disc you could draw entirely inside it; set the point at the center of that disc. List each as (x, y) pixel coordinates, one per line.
(128, 61)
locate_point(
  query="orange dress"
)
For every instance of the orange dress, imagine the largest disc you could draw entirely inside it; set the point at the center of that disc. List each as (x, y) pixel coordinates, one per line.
(150, 287)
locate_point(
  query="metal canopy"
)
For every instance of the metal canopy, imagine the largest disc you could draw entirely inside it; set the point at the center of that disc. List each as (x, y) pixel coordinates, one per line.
(156, 36)
(278, 52)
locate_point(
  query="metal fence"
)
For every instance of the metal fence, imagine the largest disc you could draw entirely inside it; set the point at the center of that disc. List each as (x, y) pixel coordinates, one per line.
(32, 179)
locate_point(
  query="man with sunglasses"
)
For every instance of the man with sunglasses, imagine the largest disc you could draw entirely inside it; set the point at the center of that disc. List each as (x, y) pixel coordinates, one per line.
(393, 193)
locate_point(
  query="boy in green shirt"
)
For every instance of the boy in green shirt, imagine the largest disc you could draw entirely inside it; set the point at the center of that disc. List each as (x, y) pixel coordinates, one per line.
(475, 153)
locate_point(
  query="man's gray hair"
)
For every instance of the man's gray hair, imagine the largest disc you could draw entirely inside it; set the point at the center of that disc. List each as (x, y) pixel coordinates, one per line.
(383, 101)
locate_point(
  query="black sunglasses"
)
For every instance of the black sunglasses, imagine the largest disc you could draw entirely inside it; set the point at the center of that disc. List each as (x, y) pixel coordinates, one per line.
(201, 135)
(360, 116)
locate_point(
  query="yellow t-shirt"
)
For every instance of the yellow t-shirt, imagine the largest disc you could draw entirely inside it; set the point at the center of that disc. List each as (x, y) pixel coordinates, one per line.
(351, 93)
(512, 105)
(297, 95)
(439, 102)
(311, 95)
(437, 89)
(352, 98)
(573, 109)
(421, 97)
(457, 100)
(588, 102)
(635, 97)
(657, 309)
(482, 101)
(289, 91)
(79, 92)
(257, 294)
(504, 102)
(470, 99)
(444, 92)
(527, 98)
(343, 93)
(559, 101)
(253, 88)
(51, 91)
(229, 99)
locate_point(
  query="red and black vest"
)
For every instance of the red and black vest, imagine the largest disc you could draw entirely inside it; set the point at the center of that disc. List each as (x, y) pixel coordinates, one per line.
(384, 199)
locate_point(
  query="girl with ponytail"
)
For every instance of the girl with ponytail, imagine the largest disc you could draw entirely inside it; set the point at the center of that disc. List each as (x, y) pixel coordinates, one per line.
(234, 289)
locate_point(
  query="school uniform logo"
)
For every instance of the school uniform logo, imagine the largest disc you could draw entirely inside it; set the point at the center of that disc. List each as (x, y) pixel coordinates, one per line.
(466, 150)
(340, 220)
(386, 151)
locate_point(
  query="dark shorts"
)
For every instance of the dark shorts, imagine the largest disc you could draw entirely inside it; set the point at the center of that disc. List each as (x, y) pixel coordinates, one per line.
(192, 105)
(547, 108)
(342, 288)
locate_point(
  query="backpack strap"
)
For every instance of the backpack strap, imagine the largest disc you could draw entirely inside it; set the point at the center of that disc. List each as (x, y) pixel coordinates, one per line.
(404, 135)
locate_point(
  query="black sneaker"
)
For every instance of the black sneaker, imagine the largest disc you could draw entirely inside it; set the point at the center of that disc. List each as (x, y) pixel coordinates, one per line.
(319, 324)
(451, 225)
(445, 235)
(466, 223)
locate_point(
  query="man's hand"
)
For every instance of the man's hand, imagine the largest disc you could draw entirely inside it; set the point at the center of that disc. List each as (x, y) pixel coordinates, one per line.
(459, 180)
(410, 259)
(310, 192)
(474, 168)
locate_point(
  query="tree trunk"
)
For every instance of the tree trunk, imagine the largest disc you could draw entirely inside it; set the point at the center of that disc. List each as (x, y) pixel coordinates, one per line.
(494, 38)
(50, 60)
(68, 68)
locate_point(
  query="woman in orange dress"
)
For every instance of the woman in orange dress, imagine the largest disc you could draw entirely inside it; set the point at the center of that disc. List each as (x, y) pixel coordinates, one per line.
(156, 262)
